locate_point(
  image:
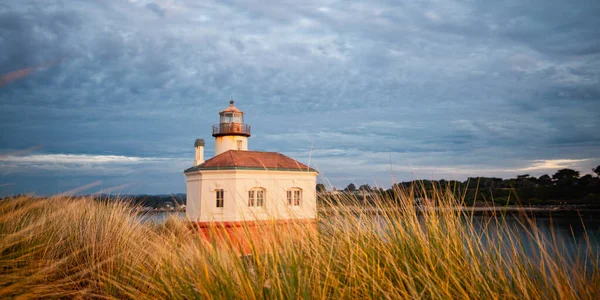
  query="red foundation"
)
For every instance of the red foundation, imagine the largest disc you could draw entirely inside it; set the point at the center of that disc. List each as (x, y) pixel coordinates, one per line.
(247, 235)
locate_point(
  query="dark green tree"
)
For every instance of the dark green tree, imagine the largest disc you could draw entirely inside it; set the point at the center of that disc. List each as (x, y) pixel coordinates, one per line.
(350, 188)
(320, 187)
(365, 188)
(587, 180)
(443, 183)
(597, 171)
(565, 176)
(526, 181)
(545, 180)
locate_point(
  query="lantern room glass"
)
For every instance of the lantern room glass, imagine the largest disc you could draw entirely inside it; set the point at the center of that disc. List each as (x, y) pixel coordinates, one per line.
(229, 117)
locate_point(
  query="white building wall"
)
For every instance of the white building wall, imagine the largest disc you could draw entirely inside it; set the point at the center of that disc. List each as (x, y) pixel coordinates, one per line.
(276, 184)
(237, 183)
(211, 181)
(229, 142)
(193, 187)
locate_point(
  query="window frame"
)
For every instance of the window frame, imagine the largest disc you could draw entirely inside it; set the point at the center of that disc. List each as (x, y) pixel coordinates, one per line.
(226, 118)
(260, 200)
(220, 202)
(254, 201)
(237, 118)
(251, 198)
(294, 197)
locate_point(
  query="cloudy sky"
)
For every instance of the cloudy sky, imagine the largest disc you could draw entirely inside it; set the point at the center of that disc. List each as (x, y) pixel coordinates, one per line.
(110, 95)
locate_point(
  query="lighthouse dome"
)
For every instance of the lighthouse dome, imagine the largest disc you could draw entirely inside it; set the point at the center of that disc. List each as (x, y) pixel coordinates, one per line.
(231, 109)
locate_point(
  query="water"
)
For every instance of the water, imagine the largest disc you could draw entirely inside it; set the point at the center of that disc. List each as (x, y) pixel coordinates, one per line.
(160, 217)
(571, 231)
(574, 236)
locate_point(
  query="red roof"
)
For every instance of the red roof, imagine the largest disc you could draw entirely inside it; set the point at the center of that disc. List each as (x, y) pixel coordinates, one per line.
(239, 159)
(231, 108)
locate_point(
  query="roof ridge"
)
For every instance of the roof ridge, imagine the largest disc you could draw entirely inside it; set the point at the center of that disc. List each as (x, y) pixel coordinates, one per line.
(255, 151)
(263, 160)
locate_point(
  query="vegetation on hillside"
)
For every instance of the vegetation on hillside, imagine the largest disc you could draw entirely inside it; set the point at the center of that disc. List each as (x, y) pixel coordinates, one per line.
(81, 248)
(564, 187)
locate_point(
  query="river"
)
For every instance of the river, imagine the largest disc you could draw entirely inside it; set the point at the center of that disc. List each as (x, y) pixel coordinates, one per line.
(571, 230)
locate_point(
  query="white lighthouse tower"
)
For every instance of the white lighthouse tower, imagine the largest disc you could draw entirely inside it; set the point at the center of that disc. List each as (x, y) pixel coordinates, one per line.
(238, 185)
(231, 133)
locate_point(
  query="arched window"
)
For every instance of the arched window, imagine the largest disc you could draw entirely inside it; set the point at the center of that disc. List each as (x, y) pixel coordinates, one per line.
(257, 197)
(294, 197)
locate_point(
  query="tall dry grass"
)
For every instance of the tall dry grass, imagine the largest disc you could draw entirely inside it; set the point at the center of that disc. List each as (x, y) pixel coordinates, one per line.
(77, 247)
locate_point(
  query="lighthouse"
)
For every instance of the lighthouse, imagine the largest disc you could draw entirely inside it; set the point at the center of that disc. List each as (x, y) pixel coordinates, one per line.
(231, 133)
(237, 185)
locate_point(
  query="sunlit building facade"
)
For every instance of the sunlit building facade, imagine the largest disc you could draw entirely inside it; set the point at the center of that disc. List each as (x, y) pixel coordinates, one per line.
(238, 185)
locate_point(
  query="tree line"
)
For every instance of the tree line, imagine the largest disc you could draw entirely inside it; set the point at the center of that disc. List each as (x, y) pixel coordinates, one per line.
(174, 201)
(564, 186)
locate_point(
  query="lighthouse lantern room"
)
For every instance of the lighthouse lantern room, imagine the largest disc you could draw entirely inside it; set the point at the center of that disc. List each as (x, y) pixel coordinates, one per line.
(231, 133)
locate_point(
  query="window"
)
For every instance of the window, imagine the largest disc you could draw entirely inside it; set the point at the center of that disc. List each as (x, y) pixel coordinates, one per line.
(294, 197)
(219, 198)
(239, 145)
(260, 198)
(256, 197)
(226, 118)
(251, 198)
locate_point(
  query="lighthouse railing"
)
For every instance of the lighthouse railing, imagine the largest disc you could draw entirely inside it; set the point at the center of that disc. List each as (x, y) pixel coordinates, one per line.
(231, 128)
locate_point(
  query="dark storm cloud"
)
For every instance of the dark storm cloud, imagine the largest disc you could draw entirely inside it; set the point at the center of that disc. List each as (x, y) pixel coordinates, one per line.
(156, 9)
(359, 89)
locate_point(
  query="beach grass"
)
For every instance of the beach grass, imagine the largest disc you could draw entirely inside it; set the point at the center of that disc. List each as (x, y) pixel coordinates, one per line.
(76, 247)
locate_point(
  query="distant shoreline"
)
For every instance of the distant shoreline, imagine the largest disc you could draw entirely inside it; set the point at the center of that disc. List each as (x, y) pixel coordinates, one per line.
(553, 210)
